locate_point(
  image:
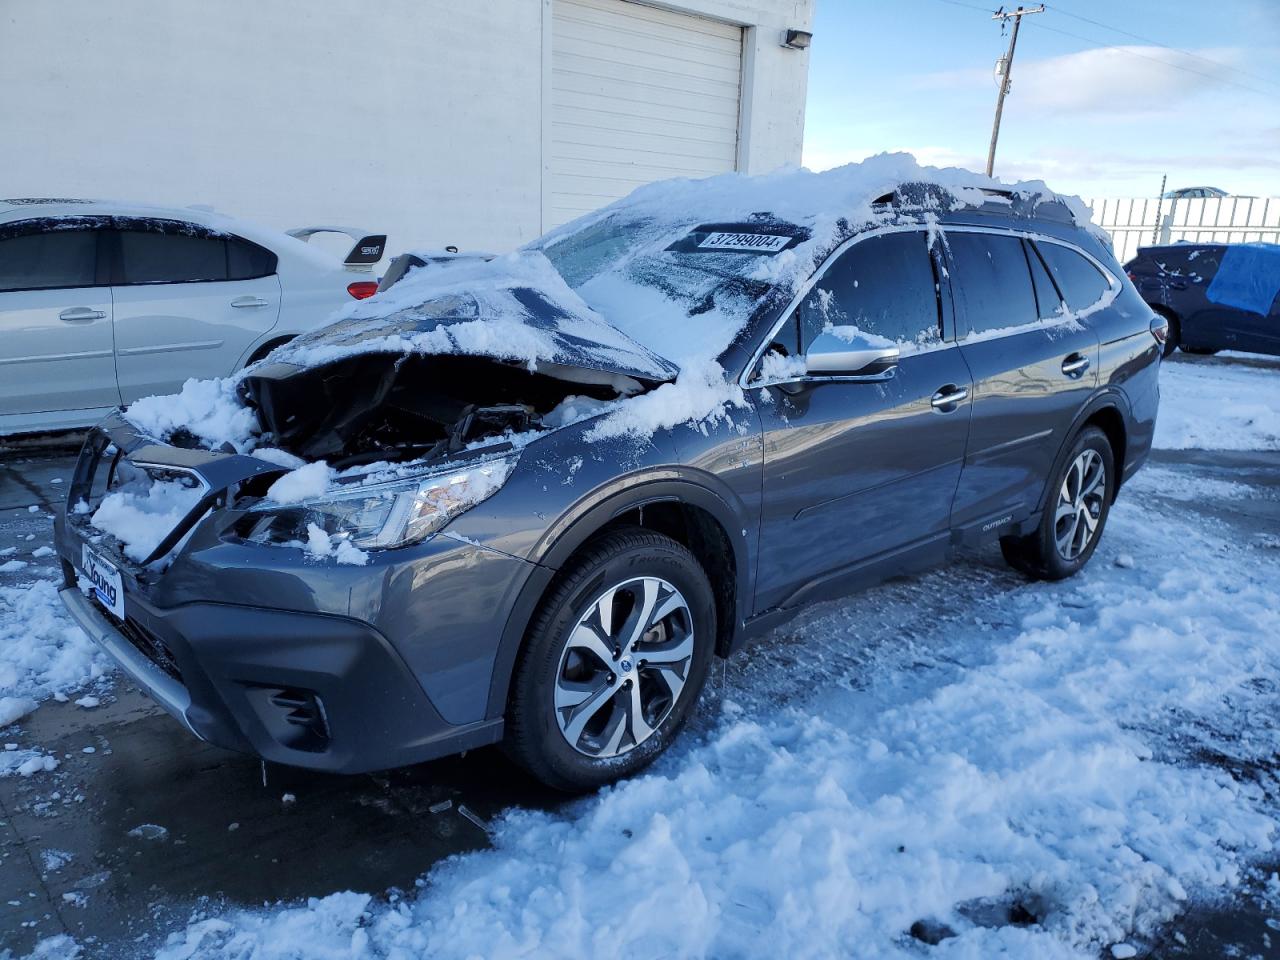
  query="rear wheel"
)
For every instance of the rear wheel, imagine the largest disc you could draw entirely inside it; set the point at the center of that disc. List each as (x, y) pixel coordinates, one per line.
(1075, 515)
(613, 663)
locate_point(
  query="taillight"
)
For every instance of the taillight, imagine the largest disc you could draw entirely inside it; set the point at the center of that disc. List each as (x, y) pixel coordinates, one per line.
(1159, 329)
(362, 289)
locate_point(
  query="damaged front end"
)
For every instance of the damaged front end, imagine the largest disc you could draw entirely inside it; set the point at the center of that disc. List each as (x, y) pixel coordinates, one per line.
(376, 431)
(378, 407)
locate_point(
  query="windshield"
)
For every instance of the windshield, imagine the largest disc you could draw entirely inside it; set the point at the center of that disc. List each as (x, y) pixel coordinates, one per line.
(682, 289)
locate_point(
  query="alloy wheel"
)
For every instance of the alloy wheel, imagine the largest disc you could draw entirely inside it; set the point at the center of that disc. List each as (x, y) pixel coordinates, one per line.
(623, 666)
(1080, 504)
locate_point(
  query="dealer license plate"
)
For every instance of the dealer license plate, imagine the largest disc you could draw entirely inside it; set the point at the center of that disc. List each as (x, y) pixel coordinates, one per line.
(107, 586)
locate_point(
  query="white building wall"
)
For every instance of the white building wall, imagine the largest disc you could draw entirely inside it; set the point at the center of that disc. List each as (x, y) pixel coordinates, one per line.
(423, 118)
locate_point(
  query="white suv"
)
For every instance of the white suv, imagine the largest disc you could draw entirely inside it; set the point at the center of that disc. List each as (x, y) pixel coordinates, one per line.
(101, 304)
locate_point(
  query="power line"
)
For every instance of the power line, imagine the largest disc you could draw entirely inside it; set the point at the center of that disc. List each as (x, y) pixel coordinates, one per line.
(1135, 36)
(1102, 45)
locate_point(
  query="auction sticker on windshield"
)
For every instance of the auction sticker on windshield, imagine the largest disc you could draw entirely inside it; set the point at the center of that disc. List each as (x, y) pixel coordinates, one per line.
(107, 586)
(763, 242)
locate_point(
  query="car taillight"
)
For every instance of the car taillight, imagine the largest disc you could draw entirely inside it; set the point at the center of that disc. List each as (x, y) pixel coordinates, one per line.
(362, 289)
(1159, 329)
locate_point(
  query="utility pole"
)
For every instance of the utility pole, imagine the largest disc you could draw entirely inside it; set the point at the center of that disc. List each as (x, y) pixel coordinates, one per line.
(1007, 63)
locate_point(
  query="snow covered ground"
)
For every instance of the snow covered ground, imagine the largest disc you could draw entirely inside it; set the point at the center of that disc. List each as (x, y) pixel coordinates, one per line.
(1213, 403)
(1036, 770)
(1054, 752)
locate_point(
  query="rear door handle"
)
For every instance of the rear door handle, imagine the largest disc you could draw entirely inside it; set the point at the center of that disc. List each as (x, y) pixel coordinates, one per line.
(1075, 365)
(948, 396)
(80, 315)
(248, 302)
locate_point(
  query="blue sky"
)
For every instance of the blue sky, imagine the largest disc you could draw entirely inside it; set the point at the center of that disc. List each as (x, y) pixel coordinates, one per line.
(916, 75)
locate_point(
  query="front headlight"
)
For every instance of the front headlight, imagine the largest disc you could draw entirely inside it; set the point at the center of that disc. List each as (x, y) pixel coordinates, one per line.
(379, 515)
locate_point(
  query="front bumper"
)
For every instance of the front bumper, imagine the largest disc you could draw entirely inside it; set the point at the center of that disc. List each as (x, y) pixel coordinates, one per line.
(306, 690)
(340, 668)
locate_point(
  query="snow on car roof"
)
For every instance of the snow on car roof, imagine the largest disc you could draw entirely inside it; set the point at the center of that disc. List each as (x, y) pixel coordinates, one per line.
(644, 262)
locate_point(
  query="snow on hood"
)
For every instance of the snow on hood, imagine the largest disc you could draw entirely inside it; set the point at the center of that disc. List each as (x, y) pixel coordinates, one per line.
(515, 308)
(638, 263)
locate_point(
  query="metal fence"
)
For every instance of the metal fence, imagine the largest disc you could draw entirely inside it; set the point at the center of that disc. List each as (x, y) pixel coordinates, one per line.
(1139, 221)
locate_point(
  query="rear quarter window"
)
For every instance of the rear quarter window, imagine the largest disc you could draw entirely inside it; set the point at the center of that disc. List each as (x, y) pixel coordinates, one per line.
(1081, 283)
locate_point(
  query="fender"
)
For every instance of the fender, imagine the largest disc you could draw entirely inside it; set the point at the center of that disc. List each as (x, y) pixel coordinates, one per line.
(563, 538)
(1108, 396)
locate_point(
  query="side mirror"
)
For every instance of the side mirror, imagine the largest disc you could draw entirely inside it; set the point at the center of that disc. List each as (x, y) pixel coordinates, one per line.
(832, 356)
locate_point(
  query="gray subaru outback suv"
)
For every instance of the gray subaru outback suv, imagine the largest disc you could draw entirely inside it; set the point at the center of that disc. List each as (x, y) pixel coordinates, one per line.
(529, 499)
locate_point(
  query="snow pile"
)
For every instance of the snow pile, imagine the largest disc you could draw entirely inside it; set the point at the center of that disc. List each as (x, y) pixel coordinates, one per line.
(208, 409)
(321, 546)
(1037, 759)
(515, 307)
(25, 763)
(305, 483)
(1212, 405)
(42, 653)
(141, 518)
(701, 395)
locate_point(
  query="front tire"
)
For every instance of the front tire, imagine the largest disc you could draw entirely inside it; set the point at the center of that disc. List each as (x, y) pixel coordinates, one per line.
(613, 662)
(1079, 502)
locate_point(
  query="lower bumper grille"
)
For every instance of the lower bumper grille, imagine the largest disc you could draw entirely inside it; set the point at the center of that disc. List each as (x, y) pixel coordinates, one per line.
(150, 646)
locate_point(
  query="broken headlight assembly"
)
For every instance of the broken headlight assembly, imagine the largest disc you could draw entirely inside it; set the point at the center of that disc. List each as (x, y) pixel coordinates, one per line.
(378, 515)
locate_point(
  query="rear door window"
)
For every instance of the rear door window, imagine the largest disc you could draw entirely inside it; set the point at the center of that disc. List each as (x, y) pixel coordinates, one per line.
(174, 252)
(1081, 283)
(159, 256)
(47, 256)
(994, 282)
(881, 290)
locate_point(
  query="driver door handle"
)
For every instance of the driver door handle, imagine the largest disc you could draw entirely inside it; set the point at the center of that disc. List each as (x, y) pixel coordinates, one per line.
(1075, 364)
(80, 314)
(248, 302)
(948, 396)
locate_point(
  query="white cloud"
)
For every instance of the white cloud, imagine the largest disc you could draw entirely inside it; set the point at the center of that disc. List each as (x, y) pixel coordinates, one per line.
(1123, 79)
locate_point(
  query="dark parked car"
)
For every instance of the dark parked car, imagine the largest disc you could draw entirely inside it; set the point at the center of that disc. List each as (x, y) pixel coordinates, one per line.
(540, 529)
(1209, 307)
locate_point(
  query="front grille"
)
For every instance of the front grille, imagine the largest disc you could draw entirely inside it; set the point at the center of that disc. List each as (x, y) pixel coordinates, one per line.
(150, 646)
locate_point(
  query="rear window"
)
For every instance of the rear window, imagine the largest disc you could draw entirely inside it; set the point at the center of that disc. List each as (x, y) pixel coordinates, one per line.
(990, 273)
(1081, 283)
(32, 258)
(173, 252)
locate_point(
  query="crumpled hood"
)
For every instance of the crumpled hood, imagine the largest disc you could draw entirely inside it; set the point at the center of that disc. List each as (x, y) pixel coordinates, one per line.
(514, 308)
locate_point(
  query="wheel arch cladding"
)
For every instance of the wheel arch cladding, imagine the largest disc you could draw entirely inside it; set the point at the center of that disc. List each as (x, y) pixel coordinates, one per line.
(690, 515)
(1109, 420)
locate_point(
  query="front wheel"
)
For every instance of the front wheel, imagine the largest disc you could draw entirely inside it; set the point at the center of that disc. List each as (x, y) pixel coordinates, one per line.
(1075, 515)
(613, 662)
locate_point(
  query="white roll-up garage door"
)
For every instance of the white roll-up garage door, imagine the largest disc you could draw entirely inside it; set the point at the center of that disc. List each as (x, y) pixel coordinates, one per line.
(638, 94)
